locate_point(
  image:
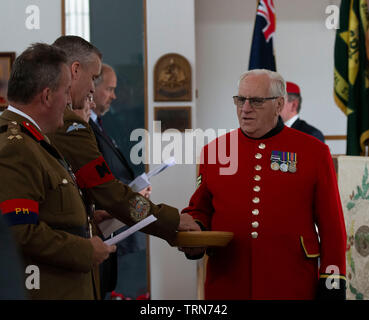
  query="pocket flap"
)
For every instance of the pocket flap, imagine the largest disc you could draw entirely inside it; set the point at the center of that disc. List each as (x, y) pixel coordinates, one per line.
(310, 246)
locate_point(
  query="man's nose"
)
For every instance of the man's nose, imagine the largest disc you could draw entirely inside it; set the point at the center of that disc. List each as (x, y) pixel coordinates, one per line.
(92, 89)
(246, 107)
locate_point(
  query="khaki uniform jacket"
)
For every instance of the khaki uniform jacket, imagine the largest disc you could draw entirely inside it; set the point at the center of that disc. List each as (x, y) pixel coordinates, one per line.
(39, 197)
(77, 142)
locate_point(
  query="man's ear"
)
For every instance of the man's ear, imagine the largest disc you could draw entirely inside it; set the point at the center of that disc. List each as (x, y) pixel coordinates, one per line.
(46, 97)
(295, 105)
(75, 69)
(280, 105)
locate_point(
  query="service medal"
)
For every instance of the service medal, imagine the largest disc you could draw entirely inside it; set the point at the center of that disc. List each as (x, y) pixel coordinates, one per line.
(274, 166)
(275, 159)
(284, 166)
(292, 167)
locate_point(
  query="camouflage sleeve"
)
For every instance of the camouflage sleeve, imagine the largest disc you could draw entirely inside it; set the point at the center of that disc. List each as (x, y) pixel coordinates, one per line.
(21, 193)
(79, 147)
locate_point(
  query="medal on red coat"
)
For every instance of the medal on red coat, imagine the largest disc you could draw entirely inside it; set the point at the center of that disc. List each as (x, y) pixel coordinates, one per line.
(275, 159)
(292, 167)
(284, 166)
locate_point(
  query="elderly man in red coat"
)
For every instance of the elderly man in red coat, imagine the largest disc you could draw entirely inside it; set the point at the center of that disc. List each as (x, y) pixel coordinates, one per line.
(282, 204)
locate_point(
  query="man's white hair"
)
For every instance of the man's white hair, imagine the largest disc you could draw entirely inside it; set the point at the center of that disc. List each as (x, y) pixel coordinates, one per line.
(277, 83)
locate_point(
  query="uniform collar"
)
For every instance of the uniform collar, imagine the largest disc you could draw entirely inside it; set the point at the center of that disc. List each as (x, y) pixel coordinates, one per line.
(277, 129)
(24, 115)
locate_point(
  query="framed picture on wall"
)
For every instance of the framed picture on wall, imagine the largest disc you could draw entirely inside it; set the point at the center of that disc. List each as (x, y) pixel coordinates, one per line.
(6, 62)
(173, 118)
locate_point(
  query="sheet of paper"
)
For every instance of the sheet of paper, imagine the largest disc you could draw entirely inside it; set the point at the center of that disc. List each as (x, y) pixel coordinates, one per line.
(139, 225)
(166, 164)
(143, 181)
(109, 226)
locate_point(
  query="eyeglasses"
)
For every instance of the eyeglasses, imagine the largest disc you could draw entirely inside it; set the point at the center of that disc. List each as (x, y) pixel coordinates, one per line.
(254, 102)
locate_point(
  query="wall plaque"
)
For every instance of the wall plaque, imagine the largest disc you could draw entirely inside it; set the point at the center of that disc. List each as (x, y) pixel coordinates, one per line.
(173, 118)
(172, 78)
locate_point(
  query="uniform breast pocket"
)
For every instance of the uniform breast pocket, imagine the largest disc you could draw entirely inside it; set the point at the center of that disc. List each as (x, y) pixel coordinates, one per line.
(310, 247)
(62, 194)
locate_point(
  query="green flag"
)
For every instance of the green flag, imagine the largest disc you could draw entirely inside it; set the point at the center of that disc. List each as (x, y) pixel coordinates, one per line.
(351, 73)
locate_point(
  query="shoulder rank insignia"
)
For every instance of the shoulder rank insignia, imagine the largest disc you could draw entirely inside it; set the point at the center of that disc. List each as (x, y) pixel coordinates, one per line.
(75, 126)
(13, 129)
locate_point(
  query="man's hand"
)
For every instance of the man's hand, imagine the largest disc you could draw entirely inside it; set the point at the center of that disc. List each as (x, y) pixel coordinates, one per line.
(146, 192)
(186, 223)
(101, 250)
(101, 215)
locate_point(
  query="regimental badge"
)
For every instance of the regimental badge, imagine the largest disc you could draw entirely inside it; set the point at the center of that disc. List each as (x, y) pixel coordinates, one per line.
(275, 159)
(75, 126)
(198, 181)
(139, 208)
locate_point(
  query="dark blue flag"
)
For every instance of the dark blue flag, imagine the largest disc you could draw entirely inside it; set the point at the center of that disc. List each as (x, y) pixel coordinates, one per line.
(262, 52)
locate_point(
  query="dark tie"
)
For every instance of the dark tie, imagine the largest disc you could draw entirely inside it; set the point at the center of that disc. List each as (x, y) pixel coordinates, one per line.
(99, 121)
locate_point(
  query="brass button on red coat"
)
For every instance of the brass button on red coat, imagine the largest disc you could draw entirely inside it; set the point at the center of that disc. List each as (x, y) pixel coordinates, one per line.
(256, 200)
(255, 224)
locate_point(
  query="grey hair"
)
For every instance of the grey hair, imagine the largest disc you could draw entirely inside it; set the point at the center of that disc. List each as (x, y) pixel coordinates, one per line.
(105, 67)
(77, 49)
(277, 83)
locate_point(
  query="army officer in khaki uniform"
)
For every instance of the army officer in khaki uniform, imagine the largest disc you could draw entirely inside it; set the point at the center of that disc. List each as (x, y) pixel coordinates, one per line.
(77, 142)
(38, 196)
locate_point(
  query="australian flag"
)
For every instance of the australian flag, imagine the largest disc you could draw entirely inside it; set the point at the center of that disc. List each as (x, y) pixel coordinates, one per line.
(262, 52)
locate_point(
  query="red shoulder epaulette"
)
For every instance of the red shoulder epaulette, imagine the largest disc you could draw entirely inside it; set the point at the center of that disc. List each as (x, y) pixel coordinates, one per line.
(33, 131)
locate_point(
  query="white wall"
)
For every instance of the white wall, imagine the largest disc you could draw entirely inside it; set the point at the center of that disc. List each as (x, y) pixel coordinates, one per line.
(171, 29)
(15, 36)
(304, 53)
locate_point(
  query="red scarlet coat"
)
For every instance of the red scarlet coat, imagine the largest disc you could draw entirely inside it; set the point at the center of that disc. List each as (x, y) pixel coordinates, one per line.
(275, 249)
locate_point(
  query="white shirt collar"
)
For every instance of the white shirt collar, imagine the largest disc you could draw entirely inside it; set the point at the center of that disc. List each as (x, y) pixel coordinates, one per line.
(291, 121)
(17, 111)
(93, 116)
